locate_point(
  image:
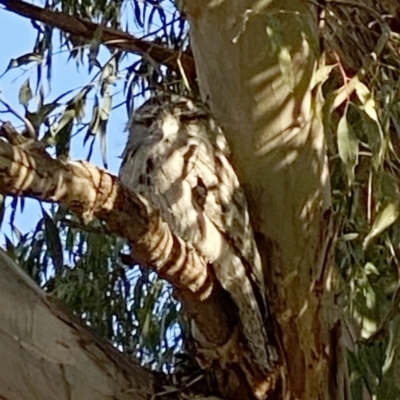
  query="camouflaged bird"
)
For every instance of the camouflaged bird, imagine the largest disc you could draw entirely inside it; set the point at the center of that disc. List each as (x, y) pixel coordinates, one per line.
(177, 158)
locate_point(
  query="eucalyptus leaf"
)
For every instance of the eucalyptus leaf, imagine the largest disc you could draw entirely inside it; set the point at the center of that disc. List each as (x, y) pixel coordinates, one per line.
(66, 118)
(321, 75)
(94, 125)
(25, 93)
(106, 107)
(347, 143)
(53, 241)
(374, 136)
(385, 218)
(23, 60)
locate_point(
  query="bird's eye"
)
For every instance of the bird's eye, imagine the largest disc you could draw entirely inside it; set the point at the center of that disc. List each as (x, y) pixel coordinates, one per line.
(146, 122)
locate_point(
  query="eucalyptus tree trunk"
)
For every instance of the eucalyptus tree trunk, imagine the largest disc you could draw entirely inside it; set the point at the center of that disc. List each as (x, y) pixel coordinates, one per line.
(255, 63)
(47, 354)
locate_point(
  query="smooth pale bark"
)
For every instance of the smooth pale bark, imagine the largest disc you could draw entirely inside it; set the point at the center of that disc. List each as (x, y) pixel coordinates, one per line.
(255, 62)
(46, 354)
(255, 65)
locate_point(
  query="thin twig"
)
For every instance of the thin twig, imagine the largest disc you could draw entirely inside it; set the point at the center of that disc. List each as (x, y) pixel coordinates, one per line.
(31, 133)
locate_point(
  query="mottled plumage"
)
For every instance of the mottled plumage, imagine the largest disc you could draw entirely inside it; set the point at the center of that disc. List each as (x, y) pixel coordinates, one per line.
(177, 158)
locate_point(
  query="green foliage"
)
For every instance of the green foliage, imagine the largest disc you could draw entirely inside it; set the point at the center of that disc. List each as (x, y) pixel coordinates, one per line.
(81, 265)
(118, 301)
(362, 123)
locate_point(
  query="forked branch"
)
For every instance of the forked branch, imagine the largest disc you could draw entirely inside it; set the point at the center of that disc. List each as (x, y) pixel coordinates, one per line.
(27, 170)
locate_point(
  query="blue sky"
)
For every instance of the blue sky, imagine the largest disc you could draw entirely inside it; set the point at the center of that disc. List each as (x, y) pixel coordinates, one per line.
(65, 76)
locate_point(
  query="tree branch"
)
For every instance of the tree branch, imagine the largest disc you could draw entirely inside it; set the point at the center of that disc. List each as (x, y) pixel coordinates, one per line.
(111, 37)
(92, 192)
(26, 169)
